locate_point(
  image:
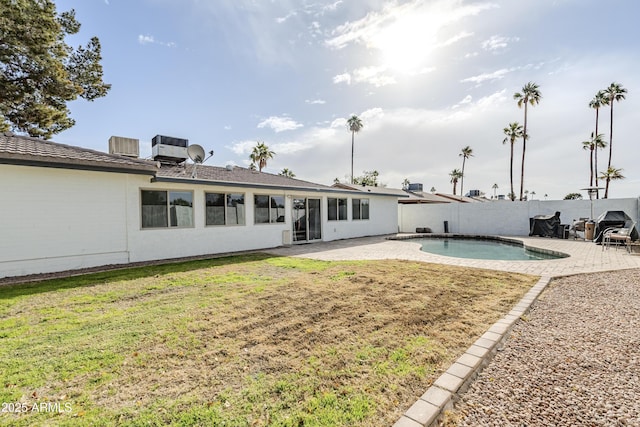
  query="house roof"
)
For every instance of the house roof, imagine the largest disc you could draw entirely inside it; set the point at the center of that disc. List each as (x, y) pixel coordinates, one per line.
(232, 176)
(373, 189)
(424, 197)
(28, 151)
(22, 150)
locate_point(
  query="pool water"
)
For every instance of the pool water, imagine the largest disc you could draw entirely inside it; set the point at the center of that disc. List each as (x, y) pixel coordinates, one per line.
(481, 249)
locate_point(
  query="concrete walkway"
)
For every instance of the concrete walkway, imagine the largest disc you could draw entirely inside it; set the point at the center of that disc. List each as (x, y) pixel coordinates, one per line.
(584, 257)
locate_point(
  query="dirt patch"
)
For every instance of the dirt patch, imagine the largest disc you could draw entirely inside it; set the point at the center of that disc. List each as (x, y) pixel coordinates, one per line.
(382, 329)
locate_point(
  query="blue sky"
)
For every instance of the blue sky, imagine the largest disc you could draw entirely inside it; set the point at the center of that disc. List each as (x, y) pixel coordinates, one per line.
(426, 77)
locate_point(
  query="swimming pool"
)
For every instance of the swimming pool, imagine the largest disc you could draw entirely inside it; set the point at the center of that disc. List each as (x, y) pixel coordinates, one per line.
(482, 249)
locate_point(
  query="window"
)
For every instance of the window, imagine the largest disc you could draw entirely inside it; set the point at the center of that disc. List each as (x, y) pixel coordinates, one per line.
(268, 209)
(360, 208)
(167, 209)
(224, 209)
(337, 209)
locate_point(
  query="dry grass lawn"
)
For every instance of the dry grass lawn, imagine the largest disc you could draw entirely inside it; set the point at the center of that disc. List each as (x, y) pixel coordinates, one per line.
(241, 341)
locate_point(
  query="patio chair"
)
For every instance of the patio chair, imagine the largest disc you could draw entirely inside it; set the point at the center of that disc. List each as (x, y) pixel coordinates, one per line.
(578, 225)
(620, 235)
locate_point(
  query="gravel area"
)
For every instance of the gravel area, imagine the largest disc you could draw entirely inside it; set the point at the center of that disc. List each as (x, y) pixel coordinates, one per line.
(573, 361)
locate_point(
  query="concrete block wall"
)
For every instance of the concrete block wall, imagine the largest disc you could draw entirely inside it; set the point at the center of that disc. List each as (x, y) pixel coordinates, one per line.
(504, 217)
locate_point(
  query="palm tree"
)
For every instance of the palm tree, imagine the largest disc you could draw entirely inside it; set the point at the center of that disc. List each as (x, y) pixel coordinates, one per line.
(455, 175)
(611, 174)
(593, 145)
(512, 132)
(465, 154)
(615, 92)
(599, 100)
(355, 125)
(287, 172)
(530, 95)
(495, 188)
(260, 155)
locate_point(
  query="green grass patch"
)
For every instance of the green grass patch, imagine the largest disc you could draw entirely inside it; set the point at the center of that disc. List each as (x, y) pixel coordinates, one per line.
(251, 340)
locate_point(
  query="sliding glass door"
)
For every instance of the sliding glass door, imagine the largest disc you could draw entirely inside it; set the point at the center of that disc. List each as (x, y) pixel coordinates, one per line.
(307, 220)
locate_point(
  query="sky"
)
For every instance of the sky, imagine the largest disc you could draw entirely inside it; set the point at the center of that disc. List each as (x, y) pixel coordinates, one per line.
(426, 77)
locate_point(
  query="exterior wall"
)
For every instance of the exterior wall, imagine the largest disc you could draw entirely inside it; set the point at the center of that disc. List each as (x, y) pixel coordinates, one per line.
(151, 244)
(57, 219)
(504, 217)
(383, 218)
(172, 242)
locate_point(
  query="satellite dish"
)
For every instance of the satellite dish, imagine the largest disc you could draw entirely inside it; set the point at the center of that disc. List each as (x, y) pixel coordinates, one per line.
(196, 153)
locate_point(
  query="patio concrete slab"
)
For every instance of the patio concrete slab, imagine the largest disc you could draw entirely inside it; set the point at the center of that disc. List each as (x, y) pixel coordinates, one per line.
(584, 256)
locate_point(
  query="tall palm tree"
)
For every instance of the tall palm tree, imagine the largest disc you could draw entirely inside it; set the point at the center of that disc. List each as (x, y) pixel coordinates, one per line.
(611, 174)
(287, 172)
(355, 125)
(530, 95)
(592, 145)
(599, 100)
(512, 132)
(260, 155)
(455, 175)
(615, 92)
(465, 153)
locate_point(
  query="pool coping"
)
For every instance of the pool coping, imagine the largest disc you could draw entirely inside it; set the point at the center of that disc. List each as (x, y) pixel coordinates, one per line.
(515, 242)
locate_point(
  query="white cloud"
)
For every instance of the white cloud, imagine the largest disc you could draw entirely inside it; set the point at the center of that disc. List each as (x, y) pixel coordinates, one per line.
(374, 76)
(242, 147)
(280, 124)
(496, 75)
(315, 101)
(342, 78)
(286, 17)
(498, 43)
(142, 39)
(148, 39)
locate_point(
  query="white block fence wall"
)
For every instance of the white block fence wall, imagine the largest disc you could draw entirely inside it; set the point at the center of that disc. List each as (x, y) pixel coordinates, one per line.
(505, 218)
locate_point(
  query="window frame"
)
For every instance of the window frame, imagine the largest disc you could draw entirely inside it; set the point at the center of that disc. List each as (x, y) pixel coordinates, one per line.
(270, 206)
(338, 213)
(361, 201)
(225, 205)
(169, 203)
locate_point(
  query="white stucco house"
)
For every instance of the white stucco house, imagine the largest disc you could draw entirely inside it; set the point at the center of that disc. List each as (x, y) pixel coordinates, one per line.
(66, 207)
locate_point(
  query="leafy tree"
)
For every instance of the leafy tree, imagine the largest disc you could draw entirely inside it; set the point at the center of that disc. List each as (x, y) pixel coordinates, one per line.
(433, 189)
(572, 196)
(611, 174)
(260, 155)
(355, 125)
(287, 172)
(369, 178)
(465, 153)
(512, 132)
(599, 100)
(615, 92)
(530, 95)
(39, 72)
(592, 145)
(455, 175)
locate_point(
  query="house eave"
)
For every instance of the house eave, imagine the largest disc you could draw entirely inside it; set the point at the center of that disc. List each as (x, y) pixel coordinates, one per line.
(218, 183)
(79, 165)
